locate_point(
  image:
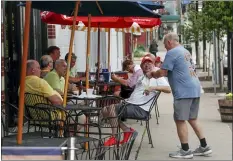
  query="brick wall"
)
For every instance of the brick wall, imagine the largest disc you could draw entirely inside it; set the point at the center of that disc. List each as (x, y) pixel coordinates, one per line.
(51, 31)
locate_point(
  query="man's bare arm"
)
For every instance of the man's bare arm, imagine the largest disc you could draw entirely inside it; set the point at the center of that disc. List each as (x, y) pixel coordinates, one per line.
(55, 100)
(157, 74)
(165, 89)
(120, 80)
(74, 80)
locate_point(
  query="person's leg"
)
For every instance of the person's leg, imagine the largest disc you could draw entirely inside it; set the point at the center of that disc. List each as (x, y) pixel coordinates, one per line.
(117, 93)
(193, 121)
(182, 131)
(110, 114)
(181, 114)
(193, 118)
(81, 120)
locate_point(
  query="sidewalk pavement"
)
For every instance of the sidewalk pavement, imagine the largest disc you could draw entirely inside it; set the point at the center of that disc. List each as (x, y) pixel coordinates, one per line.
(164, 135)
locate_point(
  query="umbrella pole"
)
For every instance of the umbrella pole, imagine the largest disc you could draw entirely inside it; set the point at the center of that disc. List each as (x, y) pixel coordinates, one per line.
(87, 68)
(109, 44)
(70, 53)
(98, 50)
(88, 50)
(23, 71)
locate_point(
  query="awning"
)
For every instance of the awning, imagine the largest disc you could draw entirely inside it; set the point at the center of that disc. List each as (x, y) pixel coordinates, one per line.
(170, 18)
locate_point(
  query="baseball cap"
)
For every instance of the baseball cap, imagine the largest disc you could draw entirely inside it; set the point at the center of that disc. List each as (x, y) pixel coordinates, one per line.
(157, 60)
(148, 57)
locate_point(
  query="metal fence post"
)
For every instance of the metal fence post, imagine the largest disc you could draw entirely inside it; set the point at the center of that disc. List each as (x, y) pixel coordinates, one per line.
(71, 148)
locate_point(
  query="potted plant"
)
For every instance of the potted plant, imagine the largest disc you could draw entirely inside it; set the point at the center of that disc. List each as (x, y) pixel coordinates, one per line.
(226, 108)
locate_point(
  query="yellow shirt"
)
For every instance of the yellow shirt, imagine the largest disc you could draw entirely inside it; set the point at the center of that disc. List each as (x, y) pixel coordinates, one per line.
(55, 81)
(36, 85)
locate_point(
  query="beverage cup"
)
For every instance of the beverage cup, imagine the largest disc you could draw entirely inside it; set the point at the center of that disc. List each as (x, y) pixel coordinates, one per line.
(90, 91)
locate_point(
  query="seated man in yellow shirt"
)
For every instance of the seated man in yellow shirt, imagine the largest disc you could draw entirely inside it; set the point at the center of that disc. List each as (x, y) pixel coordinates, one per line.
(55, 78)
(36, 85)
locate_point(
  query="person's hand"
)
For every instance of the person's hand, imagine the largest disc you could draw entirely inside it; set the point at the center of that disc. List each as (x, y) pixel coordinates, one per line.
(148, 90)
(113, 77)
(149, 74)
(74, 88)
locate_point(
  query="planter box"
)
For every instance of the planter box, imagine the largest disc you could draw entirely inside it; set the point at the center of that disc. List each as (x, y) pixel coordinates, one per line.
(226, 110)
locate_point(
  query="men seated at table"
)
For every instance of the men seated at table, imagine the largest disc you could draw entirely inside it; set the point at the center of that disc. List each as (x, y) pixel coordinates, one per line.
(46, 65)
(130, 83)
(56, 80)
(144, 91)
(73, 71)
(36, 85)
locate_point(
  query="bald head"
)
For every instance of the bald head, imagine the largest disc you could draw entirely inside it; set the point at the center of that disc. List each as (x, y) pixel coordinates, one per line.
(33, 68)
(60, 67)
(171, 40)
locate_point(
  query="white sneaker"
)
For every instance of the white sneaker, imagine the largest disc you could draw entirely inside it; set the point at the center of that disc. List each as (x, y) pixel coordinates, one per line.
(181, 154)
(200, 151)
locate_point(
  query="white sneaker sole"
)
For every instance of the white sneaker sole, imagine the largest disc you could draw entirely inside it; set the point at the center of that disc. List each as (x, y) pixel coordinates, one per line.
(203, 154)
(183, 157)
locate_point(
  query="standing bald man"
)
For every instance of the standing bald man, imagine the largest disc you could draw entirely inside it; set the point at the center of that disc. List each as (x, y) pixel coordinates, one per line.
(185, 85)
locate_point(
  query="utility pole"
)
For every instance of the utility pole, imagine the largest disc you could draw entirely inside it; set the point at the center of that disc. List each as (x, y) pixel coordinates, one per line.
(204, 43)
(215, 59)
(197, 41)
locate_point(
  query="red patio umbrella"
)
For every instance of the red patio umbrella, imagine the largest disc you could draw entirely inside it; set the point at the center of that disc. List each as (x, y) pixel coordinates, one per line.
(100, 22)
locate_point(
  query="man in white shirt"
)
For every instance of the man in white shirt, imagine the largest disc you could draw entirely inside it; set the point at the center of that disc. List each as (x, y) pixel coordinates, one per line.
(145, 90)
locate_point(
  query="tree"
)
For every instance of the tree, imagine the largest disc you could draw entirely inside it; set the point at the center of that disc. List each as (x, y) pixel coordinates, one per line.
(215, 16)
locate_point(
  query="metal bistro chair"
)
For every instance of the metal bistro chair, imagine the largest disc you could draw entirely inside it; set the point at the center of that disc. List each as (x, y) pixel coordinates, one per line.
(4, 118)
(32, 100)
(11, 132)
(157, 115)
(96, 119)
(53, 121)
(153, 101)
(97, 150)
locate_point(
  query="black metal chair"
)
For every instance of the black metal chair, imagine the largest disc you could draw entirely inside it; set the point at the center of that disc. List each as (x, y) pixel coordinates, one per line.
(53, 121)
(32, 100)
(156, 111)
(152, 102)
(4, 118)
(95, 117)
(97, 150)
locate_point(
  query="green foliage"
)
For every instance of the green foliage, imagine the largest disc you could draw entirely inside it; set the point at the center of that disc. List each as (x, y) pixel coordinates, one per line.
(138, 52)
(215, 16)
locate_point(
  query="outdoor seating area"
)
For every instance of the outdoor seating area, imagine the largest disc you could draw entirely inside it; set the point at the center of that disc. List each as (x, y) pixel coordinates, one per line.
(46, 122)
(116, 80)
